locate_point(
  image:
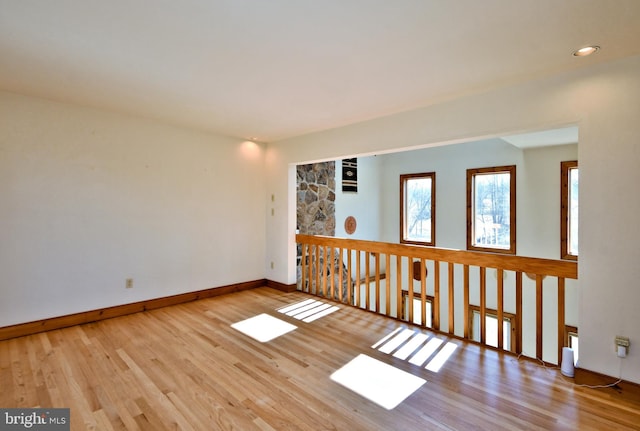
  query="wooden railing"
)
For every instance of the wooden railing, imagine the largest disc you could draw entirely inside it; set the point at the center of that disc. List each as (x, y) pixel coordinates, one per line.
(377, 275)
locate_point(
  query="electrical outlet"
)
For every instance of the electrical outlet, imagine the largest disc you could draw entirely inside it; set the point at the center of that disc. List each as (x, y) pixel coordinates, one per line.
(622, 346)
(129, 283)
(272, 265)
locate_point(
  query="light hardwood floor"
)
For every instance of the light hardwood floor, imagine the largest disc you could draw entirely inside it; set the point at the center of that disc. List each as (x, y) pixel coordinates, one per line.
(184, 367)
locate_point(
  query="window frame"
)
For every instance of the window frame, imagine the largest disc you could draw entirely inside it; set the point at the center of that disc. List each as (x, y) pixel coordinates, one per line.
(489, 312)
(403, 180)
(416, 297)
(471, 173)
(569, 332)
(565, 209)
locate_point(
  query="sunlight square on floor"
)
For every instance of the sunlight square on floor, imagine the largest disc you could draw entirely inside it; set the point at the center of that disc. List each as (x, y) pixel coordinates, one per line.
(263, 327)
(308, 310)
(376, 381)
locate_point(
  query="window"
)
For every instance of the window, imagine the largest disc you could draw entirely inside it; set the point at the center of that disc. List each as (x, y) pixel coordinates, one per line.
(418, 209)
(417, 309)
(491, 209)
(569, 210)
(491, 328)
(571, 340)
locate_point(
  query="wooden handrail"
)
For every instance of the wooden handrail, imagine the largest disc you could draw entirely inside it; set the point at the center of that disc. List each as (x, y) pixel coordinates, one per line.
(530, 265)
(327, 270)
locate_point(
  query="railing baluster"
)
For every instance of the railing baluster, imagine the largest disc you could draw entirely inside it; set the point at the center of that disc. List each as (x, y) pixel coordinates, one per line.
(518, 312)
(410, 289)
(561, 316)
(309, 268)
(324, 272)
(451, 301)
(349, 278)
(436, 295)
(500, 294)
(423, 292)
(356, 298)
(398, 286)
(303, 265)
(332, 270)
(539, 330)
(483, 305)
(340, 274)
(465, 300)
(312, 251)
(387, 283)
(316, 287)
(367, 269)
(377, 263)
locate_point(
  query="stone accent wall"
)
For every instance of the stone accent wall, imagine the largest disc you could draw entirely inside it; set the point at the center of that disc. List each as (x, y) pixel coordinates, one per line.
(316, 189)
(316, 215)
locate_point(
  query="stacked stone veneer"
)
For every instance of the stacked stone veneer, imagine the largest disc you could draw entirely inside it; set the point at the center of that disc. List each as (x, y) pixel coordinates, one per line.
(316, 215)
(316, 208)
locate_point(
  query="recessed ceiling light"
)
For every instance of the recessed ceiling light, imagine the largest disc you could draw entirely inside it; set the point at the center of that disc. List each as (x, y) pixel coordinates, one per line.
(587, 50)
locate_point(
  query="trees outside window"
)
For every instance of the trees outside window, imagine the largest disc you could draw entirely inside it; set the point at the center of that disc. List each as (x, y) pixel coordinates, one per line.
(418, 209)
(491, 209)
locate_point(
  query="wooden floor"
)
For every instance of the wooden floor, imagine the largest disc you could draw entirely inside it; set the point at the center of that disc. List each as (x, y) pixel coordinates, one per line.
(184, 367)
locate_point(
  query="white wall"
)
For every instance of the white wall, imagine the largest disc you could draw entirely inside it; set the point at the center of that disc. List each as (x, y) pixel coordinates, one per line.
(604, 101)
(450, 164)
(365, 205)
(90, 198)
(537, 185)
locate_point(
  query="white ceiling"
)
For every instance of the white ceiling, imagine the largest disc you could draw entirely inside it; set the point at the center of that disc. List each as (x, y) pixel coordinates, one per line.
(544, 138)
(273, 69)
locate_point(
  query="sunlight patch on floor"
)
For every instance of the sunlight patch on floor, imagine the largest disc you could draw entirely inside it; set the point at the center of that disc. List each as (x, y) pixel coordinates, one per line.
(441, 358)
(386, 337)
(405, 351)
(376, 381)
(263, 327)
(425, 352)
(308, 310)
(412, 345)
(396, 341)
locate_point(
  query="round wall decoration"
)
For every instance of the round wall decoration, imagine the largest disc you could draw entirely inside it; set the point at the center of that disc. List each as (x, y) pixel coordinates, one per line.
(350, 225)
(416, 270)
